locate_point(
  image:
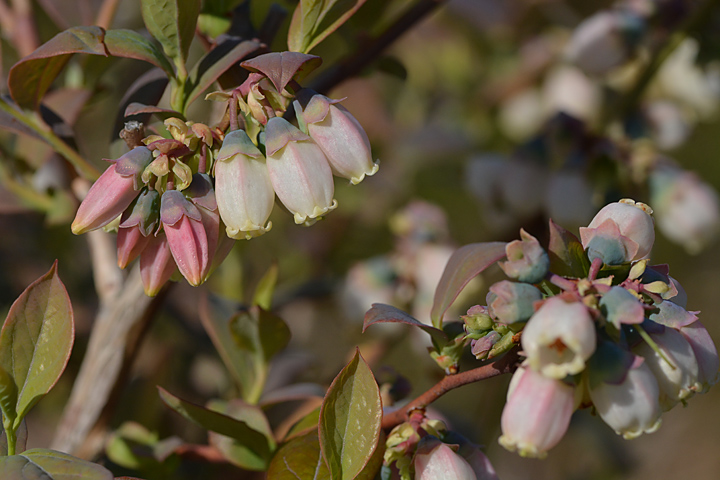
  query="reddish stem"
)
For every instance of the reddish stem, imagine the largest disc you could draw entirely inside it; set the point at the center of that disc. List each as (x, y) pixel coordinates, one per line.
(233, 111)
(506, 364)
(595, 267)
(563, 283)
(202, 163)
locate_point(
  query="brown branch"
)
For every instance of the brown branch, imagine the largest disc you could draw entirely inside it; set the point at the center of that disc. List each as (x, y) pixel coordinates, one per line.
(506, 364)
(368, 51)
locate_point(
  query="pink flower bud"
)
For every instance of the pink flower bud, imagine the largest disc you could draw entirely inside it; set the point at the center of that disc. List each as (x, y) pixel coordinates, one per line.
(202, 194)
(112, 192)
(620, 232)
(537, 413)
(338, 134)
(559, 338)
(299, 171)
(156, 265)
(130, 243)
(674, 366)
(705, 352)
(245, 196)
(435, 460)
(138, 223)
(186, 236)
(527, 261)
(631, 407)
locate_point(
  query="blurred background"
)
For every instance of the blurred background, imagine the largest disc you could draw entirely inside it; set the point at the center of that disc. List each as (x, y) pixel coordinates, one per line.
(487, 116)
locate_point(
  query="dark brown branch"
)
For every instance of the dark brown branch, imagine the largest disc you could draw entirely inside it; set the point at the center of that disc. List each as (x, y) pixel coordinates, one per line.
(368, 51)
(506, 364)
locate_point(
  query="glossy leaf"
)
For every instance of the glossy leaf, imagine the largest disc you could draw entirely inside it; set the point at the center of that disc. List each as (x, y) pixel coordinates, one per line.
(130, 44)
(567, 256)
(216, 62)
(255, 441)
(172, 23)
(236, 452)
(136, 108)
(299, 459)
(350, 419)
(306, 424)
(381, 313)
(314, 20)
(36, 340)
(464, 265)
(41, 464)
(30, 78)
(265, 288)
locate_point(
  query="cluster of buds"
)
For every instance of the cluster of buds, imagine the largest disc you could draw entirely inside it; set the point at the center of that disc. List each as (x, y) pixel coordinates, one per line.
(423, 449)
(183, 198)
(608, 331)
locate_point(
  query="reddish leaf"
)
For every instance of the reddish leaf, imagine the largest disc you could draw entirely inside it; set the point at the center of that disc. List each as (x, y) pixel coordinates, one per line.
(567, 257)
(216, 62)
(281, 67)
(381, 313)
(464, 265)
(136, 108)
(31, 77)
(130, 44)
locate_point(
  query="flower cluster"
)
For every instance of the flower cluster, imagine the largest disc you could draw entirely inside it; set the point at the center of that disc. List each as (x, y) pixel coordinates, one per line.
(423, 449)
(176, 194)
(611, 332)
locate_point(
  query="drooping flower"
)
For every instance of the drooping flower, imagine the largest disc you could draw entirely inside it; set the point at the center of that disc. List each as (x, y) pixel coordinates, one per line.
(244, 192)
(630, 407)
(620, 232)
(113, 192)
(338, 134)
(674, 366)
(537, 413)
(138, 223)
(435, 460)
(559, 338)
(182, 223)
(202, 194)
(299, 172)
(156, 265)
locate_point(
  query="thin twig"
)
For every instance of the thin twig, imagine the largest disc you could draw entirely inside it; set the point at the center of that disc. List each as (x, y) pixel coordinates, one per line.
(506, 364)
(367, 52)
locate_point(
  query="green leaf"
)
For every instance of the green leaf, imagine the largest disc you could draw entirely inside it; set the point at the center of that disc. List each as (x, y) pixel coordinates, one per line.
(246, 340)
(41, 464)
(172, 23)
(314, 20)
(236, 452)
(20, 439)
(36, 340)
(381, 313)
(254, 440)
(464, 265)
(30, 78)
(130, 44)
(216, 62)
(265, 288)
(567, 256)
(8, 394)
(299, 459)
(308, 423)
(350, 419)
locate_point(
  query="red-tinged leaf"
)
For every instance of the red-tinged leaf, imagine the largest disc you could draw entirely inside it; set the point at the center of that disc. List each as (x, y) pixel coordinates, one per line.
(381, 313)
(281, 67)
(305, 425)
(567, 256)
(30, 78)
(216, 62)
(236, 452)
(136, 108)
(41, 464)
(254, 440)
(36, 340)
(130, 44)
(172, 23)
(350, 419)
(464, 265)
(148, 89)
